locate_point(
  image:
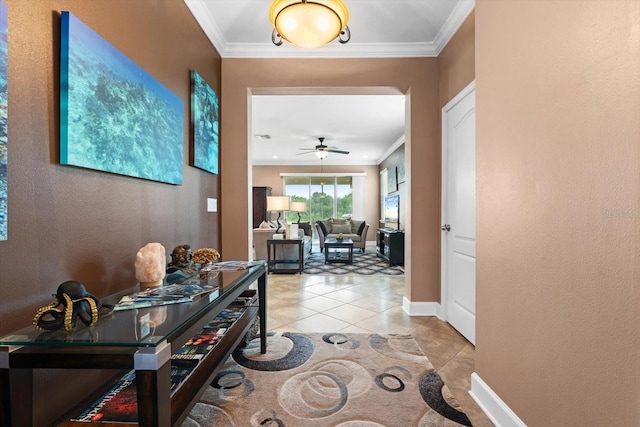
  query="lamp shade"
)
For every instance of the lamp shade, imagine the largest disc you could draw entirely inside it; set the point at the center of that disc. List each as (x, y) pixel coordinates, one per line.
(309, 24)
(278, 203)
(298, 206)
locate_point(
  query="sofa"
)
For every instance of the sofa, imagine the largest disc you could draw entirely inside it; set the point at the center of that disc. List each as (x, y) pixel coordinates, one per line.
(261, 235)
(350, 229)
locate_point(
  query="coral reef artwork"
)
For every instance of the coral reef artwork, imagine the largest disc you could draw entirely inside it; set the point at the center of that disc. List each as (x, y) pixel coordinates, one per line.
(3, 121)
(204, 116)
(114, 116)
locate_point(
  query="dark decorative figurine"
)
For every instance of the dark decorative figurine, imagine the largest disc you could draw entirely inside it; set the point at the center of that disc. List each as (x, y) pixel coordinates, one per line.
(181, 256)
(72, 301)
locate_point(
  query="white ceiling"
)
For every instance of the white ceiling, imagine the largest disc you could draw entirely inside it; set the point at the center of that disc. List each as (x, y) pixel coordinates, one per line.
(366, 125)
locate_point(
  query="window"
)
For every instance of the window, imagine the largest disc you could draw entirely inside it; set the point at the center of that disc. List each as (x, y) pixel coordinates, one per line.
(325, 196)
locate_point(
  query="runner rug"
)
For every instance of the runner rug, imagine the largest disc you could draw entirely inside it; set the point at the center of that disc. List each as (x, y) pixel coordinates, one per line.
(367, 264)
(328, 380)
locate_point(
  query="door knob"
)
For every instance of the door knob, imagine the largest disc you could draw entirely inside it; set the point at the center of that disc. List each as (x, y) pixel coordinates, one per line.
(445, 227)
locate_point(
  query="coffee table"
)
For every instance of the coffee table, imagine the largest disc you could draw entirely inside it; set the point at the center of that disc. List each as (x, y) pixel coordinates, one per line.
(333, 251)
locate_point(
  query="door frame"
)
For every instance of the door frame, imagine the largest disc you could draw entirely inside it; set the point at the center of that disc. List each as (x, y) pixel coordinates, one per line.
(443, 196)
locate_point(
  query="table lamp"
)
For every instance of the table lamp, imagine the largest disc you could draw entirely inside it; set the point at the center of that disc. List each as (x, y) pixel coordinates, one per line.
(279, 204)
(298, 207)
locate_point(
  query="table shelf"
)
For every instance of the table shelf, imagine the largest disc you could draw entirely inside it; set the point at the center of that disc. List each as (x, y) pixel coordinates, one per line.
(21, 353)
(276, 265)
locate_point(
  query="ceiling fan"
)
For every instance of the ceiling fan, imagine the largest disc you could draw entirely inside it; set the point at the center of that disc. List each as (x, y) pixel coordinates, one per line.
(321, 150)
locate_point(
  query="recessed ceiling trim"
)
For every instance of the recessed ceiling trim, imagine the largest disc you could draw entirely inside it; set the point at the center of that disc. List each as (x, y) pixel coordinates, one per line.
(353, 50)
(208, 24)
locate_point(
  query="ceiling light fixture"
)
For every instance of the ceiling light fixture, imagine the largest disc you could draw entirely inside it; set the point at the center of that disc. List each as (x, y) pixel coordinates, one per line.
(321, 154)
(309, 24)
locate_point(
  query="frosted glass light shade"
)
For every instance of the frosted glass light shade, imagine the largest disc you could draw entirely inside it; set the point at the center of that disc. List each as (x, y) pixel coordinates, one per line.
(309, 24)
(321, 154)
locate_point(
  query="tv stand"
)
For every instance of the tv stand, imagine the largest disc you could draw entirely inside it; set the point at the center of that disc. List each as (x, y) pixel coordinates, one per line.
(390, 245)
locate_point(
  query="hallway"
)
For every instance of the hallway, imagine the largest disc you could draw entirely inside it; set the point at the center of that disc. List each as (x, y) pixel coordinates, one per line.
(366, 304)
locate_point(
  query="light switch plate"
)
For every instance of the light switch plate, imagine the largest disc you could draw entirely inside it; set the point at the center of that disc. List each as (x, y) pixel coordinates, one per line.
(212, 205)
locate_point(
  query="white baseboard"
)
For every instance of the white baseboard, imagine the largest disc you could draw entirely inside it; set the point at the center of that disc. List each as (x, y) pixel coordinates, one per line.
(420, 308)
(495, 408)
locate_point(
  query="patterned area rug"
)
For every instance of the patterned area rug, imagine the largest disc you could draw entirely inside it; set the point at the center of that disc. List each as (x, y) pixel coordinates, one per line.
(367, 264)
(328, 380)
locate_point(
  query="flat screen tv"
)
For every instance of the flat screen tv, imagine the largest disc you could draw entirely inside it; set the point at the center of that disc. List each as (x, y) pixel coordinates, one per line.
(392, 210)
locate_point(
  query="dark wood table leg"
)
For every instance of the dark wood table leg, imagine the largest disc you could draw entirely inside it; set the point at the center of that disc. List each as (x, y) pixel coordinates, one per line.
(153, 385)
(262, 311)
(154, 401)
(5, 398)
(300, 256)
(16, 397)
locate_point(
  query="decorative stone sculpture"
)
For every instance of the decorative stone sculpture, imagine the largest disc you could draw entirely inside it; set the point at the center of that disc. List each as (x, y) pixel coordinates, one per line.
(150, 265)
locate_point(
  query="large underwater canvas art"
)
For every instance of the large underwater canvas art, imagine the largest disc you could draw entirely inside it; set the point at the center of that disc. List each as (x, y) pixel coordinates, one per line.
(204, 117)
(3, 121)
(114, 116)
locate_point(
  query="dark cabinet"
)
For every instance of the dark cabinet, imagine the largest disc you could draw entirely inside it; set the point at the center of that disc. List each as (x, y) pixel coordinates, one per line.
(260, 205)
(390, 245)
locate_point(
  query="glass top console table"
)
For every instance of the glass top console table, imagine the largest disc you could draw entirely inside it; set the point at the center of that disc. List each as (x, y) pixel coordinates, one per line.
(124, 340)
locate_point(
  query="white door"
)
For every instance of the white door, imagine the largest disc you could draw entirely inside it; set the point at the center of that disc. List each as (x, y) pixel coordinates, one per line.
(459, 212)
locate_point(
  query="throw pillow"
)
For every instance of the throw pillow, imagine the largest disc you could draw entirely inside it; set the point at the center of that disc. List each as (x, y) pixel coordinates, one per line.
(340, 228)
(306, 227)
(322, 227)
(354, 226)
(265, 224)
(327, 226)
(361, 228)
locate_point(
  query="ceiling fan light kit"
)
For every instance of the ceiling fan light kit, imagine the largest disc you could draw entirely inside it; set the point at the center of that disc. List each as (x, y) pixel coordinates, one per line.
(309, 24)
(321, 151)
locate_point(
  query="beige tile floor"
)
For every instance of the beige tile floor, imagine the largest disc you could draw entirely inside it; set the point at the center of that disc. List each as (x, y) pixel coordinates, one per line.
(349, 303)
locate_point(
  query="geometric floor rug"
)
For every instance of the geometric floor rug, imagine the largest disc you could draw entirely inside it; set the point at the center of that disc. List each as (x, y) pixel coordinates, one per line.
(367, 263)
(328, 380)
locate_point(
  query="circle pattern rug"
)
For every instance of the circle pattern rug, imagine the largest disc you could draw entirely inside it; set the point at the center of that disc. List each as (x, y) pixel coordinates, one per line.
(368, 264)
(328, 380)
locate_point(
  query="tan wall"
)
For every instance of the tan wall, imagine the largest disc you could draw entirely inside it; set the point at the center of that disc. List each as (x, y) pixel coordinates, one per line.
(69, 223)
(558, 165)
(415, 76)
(456, 62)
(269, 176)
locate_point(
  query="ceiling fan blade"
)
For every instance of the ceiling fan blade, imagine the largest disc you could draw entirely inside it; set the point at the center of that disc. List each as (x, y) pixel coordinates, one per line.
(306, 152)
(330, 150)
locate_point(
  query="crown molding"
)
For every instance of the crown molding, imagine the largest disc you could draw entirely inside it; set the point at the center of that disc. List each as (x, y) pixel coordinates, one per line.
(391, 149)
(455, 20)
(333, 50)
(203, 17)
